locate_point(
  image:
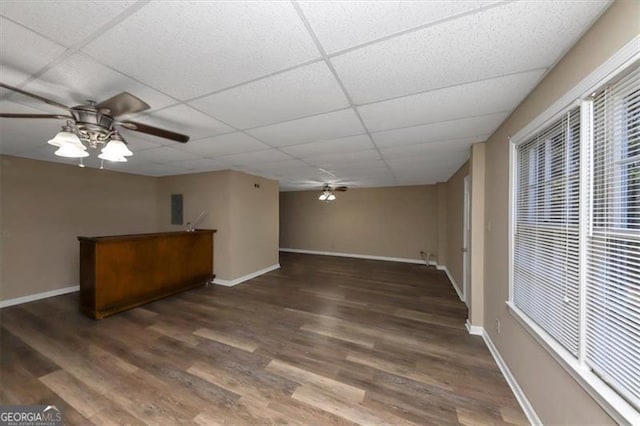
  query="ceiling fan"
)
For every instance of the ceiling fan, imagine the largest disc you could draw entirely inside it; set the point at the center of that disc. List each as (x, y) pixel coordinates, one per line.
(328, 192)
(94, 124)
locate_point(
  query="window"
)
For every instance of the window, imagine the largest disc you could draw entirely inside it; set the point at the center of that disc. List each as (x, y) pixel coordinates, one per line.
(545, 273)
(613, 256)
(575, 281)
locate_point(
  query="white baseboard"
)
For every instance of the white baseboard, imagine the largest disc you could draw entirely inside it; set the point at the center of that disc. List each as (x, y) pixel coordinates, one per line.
(476, 330)
(38, 296)
(72, 289)
(526, 406)
(359, 256)
(453, 282)
(231, 283)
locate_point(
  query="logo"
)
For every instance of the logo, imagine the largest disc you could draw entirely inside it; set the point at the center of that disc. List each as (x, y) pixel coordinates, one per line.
(30, 415)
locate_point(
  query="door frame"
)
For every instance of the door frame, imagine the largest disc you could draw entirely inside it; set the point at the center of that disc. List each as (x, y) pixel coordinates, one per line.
(466, 243)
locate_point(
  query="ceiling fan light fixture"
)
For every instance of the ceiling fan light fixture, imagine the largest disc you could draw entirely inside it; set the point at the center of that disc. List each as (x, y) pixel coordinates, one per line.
(327, 194)
(66, 138)
(112, 156)
(93, 125)
(71, 151)
(116, 147)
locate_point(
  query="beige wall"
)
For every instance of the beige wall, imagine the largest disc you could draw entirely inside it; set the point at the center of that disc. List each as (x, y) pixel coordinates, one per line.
(455, 224)
(476, 243)
(393, 221)
(45, 206)
(554, 394)
(246, 217)
(254, 223)
(209, 192)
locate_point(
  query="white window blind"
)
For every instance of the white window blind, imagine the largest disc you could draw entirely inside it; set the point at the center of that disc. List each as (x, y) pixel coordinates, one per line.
(546, 240)
(613, 244)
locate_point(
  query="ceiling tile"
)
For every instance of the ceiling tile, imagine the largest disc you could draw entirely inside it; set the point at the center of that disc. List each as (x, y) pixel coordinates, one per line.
(254, 158)
(418, 165)
(348, 144)
(360, 166)
(155, 169)
(79, 78)
(517, 36)
(433, 178)
(231, 143)
(284, 168)
(317, 128)
(187, 49)
(164, 154)
(333, 158)
(500, 94)
(67, 22)
(19, 60)
(360, 176)
(201, 165)
(430, 173)
(20, 135)
(183, 119)
(140, 141)
(342, 24)
(434, 149)
(375, 182)
(446, 130)
(301, 92)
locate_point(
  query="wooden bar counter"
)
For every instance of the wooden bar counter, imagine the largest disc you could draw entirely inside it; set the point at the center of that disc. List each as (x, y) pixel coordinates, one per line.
(124, 271)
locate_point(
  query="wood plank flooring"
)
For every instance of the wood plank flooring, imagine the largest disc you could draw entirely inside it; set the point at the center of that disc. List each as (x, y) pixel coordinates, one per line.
(323, 340)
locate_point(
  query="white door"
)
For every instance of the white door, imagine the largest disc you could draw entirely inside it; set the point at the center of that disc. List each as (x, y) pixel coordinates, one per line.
(466, 254)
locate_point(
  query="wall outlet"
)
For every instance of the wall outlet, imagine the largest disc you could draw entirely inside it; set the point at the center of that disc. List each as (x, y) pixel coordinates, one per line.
(498, 326)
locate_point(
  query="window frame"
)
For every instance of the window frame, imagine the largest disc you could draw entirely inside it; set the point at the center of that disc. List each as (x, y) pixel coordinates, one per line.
(614, 404)
(543, 178)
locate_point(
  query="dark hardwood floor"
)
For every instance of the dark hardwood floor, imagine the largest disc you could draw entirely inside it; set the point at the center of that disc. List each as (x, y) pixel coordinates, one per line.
(323, 340)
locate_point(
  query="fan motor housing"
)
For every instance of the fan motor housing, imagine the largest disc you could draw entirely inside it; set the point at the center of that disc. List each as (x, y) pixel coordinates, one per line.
(89, 120)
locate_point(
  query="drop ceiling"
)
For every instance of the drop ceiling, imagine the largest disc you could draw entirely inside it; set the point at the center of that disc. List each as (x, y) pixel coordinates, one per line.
(358, 93)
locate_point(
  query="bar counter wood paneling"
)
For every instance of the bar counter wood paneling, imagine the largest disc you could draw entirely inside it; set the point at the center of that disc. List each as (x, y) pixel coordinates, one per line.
(124, 271)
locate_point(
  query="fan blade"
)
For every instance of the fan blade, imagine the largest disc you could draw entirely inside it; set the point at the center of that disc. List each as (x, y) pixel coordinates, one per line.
(340, 188)
(124, 103)
(31, 95)
(60, 117)
(155, 131)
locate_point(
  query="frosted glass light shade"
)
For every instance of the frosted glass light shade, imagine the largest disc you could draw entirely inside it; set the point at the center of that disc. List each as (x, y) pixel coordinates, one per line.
(71, 151)
(116, 148)
(65, 138)
(112, 156)
(322, 197)
(331, 197)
